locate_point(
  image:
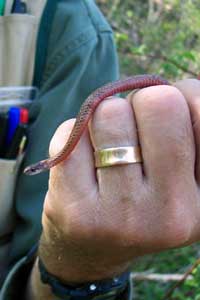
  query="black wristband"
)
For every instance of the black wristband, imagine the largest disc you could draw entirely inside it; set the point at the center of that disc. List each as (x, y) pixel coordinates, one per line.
(106, 288)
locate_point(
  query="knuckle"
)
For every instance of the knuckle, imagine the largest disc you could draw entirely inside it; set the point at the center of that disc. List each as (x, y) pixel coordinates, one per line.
(159, 100)
(111, 108)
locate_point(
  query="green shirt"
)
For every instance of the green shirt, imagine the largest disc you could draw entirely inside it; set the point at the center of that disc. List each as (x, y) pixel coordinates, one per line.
(75, 55)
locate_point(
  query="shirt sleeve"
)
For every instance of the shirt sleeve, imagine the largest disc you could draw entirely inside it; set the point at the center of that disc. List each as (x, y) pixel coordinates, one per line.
(81, 57)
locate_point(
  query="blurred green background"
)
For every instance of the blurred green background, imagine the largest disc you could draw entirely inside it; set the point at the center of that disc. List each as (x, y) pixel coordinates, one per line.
(161, 37)
(156, 36)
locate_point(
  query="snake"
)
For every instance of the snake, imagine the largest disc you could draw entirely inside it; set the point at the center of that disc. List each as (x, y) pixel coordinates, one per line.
(86, 112)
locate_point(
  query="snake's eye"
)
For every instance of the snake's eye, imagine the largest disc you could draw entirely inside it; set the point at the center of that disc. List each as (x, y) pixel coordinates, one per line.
(32, 170)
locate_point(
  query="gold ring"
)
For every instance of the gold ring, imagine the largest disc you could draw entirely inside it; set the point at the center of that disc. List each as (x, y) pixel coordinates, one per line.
(117, 156)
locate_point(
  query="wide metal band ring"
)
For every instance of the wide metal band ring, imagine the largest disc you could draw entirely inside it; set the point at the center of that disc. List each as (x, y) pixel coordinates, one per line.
(117, 156)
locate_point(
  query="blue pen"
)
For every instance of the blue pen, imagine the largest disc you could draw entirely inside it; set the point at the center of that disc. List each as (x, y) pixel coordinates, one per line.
(13, 122)
(19, 7)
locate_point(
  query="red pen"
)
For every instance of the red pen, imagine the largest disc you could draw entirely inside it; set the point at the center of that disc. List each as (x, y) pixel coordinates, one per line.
(20, 132)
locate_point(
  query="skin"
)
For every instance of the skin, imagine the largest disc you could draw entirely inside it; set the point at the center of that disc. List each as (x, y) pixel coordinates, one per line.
(96, 223)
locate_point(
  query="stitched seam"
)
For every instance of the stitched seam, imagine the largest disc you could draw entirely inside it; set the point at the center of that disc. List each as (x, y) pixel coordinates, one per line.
(75, 44)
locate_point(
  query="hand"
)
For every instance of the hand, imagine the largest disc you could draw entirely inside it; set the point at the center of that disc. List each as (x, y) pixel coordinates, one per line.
(95, 222)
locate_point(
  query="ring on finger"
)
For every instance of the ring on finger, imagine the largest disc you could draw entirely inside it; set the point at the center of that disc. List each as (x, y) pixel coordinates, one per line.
(117, 156)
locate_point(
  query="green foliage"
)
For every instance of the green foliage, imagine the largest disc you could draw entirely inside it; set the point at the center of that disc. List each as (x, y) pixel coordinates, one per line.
(157, 36)
(173, 261)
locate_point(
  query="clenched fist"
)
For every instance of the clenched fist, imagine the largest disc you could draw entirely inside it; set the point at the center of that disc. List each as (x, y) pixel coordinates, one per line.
(96, 221)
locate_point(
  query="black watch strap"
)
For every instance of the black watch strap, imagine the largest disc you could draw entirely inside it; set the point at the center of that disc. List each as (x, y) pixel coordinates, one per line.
(105, 289)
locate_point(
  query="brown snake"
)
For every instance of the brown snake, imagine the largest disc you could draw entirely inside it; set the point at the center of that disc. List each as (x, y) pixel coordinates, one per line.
(86, 112)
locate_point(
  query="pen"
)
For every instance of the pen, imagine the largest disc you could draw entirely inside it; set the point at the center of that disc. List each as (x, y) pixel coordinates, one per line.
(3, 131)
(2, 7)
(19, 7)
(20, 132)
(13, 122)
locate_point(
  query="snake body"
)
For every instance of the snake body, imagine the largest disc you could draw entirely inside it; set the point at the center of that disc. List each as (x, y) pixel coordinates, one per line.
(86, 112)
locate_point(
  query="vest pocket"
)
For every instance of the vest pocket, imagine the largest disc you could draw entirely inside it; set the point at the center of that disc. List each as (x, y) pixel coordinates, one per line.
(17, 49)
(8, 174)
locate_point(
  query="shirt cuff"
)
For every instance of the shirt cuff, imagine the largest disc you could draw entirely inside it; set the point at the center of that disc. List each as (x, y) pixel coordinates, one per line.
(15, 283)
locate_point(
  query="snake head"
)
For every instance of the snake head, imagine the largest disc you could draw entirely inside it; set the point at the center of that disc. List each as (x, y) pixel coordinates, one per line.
(36, 168)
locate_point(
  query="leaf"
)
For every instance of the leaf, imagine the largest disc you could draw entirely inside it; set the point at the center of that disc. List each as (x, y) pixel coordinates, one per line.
(189, 55)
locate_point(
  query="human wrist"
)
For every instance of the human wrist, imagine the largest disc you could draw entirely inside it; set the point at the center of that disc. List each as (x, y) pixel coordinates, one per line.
(65, 264)
(66, 280)
(112, 288)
